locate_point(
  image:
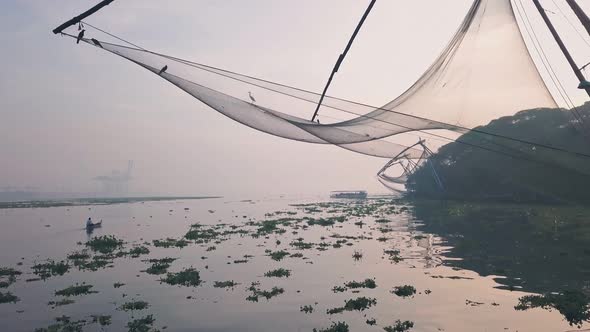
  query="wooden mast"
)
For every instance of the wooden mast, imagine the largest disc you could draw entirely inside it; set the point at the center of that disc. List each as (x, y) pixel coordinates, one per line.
(82, 16)
(562, 46)
(580, 14)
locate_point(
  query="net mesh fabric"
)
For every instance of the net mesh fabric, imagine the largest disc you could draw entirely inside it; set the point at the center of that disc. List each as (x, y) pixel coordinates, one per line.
(484, 73)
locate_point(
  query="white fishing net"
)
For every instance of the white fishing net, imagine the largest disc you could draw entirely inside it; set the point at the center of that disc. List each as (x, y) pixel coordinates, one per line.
(484, 73)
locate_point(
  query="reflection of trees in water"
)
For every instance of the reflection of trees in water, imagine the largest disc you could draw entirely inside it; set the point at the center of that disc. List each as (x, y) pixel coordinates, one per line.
(542, 249)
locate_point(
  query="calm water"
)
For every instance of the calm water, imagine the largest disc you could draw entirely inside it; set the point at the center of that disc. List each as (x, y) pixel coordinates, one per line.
(469, 265)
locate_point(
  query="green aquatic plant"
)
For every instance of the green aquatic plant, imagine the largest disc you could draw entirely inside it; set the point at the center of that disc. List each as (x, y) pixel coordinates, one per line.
(159, 265)
(225, 284)
(189, 277)
(278, 273)
(102, 320)
(8, 298)
(404, 291)
(134, 305)
(64, 324)
(357, 255)
(118, 285)
(9, 272)
(278, 255)
(60, 302)
(358, 304)
(371, 321)
(335, 327)
(105, 244)
(79, 256)
(267, 294)
(394, 255)
(138, 251)
(573, 305)
(170, 242)
(200, 235)
(76, 290)
(382, 221)
(144, 324)
(399, 326)
(367, 283)
(308, 309)
(50, 269)
(96, 263)
(339, 289)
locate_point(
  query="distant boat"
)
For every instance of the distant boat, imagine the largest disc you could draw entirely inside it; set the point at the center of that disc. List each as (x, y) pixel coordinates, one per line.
(355, 194)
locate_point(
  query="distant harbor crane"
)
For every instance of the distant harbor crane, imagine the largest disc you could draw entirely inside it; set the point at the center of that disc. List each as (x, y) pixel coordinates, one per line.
(117, 183)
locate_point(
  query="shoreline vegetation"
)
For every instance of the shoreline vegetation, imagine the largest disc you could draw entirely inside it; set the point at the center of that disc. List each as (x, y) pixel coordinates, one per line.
(95, 201)
(519, 172)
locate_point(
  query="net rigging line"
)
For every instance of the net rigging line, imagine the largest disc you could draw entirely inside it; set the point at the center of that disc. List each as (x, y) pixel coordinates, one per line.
(547, 64)
(409, 128)
(571, 24)
(574, 108)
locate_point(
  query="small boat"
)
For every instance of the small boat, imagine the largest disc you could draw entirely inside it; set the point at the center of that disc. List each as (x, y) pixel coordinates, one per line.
(350, 194)
(93, 226)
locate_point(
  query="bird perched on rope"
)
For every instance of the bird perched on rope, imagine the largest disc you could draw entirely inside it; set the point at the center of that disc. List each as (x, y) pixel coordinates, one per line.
(163, 70)
(80, 36)
(96, 42)
(251, 97)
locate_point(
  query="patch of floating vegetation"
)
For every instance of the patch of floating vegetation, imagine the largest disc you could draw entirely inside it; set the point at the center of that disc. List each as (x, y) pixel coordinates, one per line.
(277, 255)
(383, 221)
(394, 255)
(225, 284)
(267, 294)
(188, 277)
(105, 244)
(358, 304)
(96, 263)
(573, 305)
(339, 289)
(199, 234)
(79, 256)
(271, 226)
(404, 291)
(102, 320)
(50, 269)
(60, 303)
(64, 324)
(278, 273)
(8, 276)
(134, 306)
(367, 283)
(138, 251)
(371, 321)
(335, 327)
(76, 290)
(329, 221)
(357, 255)
(159, 265)
(240, 261)
(8, 298)
(144, 324)
(299, 244)
(400, 326)
(170, 243)
(308, 309)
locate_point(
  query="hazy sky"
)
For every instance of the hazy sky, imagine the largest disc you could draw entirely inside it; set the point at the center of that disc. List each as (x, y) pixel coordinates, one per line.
(70, 113)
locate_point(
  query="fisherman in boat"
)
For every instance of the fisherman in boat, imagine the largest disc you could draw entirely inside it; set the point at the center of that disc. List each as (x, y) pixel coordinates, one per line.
(90, 226)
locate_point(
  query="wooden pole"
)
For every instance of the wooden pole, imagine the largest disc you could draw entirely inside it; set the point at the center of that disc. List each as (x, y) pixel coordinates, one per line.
(562, 46)
(342, 56)
(82, 16)
(580, 14)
